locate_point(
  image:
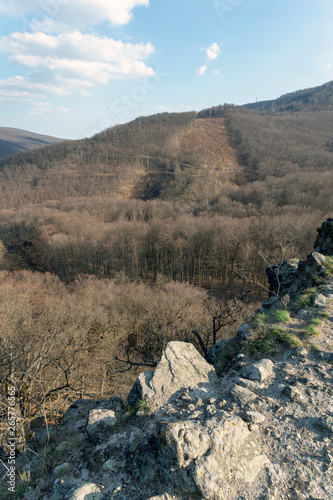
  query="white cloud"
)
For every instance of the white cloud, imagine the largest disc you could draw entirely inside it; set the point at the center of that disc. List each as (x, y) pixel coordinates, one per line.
(72, 62)
(201, 71)
(216, 72)
(328, 66)
(74, 13)
(213, 52)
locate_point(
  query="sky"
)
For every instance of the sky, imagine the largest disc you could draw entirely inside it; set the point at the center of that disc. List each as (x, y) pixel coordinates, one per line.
(71, 68)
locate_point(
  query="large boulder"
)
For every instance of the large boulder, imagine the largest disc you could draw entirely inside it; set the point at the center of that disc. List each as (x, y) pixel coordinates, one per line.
(212, 455)
(324, 241)
(181, 367)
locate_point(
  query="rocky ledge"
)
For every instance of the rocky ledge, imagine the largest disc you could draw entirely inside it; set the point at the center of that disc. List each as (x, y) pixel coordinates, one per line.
(260, 429)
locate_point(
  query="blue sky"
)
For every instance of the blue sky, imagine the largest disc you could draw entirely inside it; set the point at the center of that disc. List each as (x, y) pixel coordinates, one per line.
(71, 68)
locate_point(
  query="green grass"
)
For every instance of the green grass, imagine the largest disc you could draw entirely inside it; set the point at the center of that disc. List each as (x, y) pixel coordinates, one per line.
(328, 265)
(281, 316)
(305, 299)
(288, 339)
(260, 319)
(142, 405)
(311, 331)
(268, 341)
(316, 321)
(325, 315)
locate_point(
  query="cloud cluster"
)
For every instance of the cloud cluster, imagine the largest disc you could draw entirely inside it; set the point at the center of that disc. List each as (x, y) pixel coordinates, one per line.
(74, 56)
(202, 70)
(59, 58)
(74, 13)
(212, 54)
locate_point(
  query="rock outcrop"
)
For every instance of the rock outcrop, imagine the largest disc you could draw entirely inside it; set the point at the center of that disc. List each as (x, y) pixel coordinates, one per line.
(291, 276)
(181, 367)
(261, 430)
(324, 241)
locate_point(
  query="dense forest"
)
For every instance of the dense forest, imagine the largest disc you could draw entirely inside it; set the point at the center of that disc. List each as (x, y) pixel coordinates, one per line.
(113, 245)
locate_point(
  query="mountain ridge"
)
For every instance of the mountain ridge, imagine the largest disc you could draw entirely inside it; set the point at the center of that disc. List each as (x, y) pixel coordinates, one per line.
(14, 140)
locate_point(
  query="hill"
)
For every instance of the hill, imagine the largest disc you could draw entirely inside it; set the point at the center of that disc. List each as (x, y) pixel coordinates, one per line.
(174, 194)
(316, 98)
(188, 156)
(14, 140)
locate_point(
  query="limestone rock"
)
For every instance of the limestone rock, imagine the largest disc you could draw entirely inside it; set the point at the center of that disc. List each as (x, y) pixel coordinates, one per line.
(181, 367)
(75, 490)
(324, 241)
(216, 350)
(258, 371)
(327, 422)
(242, 395)
(283, 277)
(62, 469)
(78, 410)
(201, 448)
(254, 417)
(319, 301)
(311, 269)
(45, 435)
(99, 422)
(244, 331)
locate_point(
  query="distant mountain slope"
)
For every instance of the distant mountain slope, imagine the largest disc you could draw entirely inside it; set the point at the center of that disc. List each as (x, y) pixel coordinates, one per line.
(14, 140)
(315, 99)
(188, 156)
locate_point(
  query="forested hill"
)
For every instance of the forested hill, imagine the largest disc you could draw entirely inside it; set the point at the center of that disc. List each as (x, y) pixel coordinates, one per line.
(317, 98)
(14, 140)
(242, 155)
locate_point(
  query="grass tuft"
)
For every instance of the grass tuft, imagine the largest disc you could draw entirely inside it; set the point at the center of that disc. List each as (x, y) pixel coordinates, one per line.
(260, 319)
(312, 331)
(281, 316)
(305, 298)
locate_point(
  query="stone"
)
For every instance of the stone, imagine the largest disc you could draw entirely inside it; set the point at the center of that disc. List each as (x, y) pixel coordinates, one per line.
(78, 410)
(283, 277)
(258, 371)
(45, 435)
(242, 395)
(244, 331)
(319, 301)
(216, 350)
(72, 490)
(135, 439)
(254, 417)
(311, 270)
(99, 422)
(181, 367)
(116, 404)
(112, 465)
(207, 445)
(293, 393)
(324, 241)
(302, 352)
(65, 445)
(62, 469)
(327, 422)
(273, 301)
